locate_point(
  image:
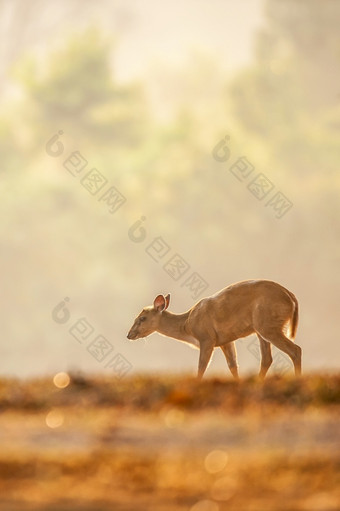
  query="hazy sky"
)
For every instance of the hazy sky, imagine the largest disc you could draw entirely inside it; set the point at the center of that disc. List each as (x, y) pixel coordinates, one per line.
(168, 31)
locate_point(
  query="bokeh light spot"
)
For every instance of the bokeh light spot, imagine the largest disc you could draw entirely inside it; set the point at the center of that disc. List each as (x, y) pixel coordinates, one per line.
(61, 380)
(224, 488)
(54, 419)
(216, 461)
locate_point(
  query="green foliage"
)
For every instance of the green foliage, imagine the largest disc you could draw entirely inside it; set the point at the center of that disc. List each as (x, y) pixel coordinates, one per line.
(285, 98)
(75, 90)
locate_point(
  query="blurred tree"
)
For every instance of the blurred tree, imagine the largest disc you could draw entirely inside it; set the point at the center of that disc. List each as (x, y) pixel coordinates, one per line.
(289, 100)
(288, 106)
(32, 23)
(309, 29)
(76, 92)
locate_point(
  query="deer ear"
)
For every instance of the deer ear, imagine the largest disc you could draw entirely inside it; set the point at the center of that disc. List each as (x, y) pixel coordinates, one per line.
(159, 303)
(167, 301)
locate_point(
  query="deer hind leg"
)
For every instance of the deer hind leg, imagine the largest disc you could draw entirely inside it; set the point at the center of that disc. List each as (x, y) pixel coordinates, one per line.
(286, 345)
(266, 356)
(229, 351)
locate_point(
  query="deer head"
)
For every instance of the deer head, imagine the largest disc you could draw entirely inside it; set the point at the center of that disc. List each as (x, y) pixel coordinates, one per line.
(148, 320)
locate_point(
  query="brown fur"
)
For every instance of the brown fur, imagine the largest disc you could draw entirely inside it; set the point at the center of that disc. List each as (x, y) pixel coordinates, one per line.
(253, 306)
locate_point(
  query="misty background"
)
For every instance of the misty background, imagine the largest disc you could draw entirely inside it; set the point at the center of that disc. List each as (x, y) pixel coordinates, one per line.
(179, 107)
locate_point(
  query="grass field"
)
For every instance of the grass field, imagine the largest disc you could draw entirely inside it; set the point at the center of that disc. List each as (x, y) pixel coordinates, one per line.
(170, 443)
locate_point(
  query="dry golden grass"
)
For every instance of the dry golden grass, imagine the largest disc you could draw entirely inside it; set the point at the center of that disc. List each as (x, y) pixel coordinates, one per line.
(170, 443)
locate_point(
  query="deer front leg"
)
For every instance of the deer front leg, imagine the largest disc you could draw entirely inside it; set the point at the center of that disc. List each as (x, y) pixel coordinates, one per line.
(205, 356)
(231, 357)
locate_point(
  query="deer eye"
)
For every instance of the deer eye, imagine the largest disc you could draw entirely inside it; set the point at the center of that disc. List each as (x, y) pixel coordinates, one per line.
(143, 318)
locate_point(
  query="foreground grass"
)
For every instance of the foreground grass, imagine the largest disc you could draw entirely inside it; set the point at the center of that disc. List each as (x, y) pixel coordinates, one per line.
(153, 393)
(167, 443)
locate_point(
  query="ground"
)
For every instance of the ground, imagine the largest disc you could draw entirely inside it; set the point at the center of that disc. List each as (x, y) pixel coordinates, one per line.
(170, 443)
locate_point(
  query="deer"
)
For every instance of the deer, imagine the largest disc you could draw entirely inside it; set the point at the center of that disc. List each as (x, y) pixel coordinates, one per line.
(260, 307)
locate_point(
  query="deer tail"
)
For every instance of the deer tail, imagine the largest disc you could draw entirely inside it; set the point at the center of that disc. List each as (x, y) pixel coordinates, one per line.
(295, 318)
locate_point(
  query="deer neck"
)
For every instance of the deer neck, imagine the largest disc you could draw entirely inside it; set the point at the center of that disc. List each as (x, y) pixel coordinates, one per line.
(174, 325)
